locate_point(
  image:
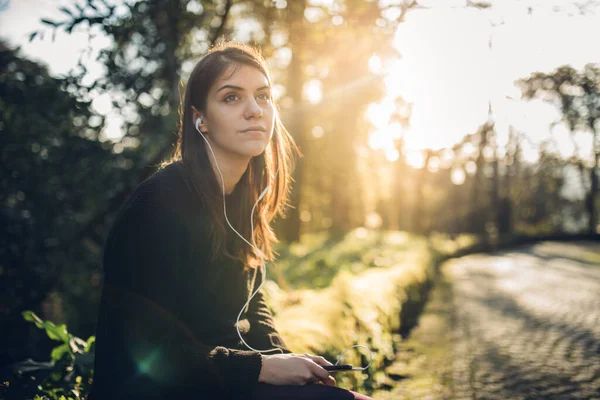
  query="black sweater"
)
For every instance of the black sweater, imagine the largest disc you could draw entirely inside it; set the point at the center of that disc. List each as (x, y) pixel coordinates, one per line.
(166, 324)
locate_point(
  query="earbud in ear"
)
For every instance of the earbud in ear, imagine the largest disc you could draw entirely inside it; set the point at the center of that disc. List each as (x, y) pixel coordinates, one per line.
(198, 123)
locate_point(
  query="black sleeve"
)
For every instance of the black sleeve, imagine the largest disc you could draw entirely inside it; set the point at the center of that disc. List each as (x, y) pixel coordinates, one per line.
(143, 350)
(263, 335)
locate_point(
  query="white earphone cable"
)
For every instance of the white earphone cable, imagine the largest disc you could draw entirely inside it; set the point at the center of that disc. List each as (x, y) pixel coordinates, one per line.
(263, 265)
(244, 239)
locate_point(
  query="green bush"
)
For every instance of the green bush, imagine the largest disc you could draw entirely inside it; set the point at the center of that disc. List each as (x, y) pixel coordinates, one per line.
(377, 280)
(67, 376)
(317, 259)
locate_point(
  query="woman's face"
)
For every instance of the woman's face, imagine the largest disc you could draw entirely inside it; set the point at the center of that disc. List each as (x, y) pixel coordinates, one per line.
(239, 117)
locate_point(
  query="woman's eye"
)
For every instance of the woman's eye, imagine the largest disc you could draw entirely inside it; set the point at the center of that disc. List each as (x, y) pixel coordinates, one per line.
(264, 96)
(230, 97)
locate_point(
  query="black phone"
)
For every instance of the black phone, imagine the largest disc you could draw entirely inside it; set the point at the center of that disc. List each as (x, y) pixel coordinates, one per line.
(343, 367)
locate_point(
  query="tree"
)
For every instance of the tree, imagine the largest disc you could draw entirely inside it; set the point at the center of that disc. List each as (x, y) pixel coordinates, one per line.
(296, 124)
(152, 39)
(577, 94)
(62, 182)
(48, 160)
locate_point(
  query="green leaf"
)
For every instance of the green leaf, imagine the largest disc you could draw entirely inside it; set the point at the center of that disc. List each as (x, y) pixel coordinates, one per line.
(58, 352)
(31, 317)
(54, 332)
(90, 342)
(57, 332)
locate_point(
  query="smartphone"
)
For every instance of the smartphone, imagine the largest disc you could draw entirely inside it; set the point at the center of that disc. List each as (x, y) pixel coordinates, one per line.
(343, 367)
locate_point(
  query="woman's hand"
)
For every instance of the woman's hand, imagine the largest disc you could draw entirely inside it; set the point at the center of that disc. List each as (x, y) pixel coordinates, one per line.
(294, 369)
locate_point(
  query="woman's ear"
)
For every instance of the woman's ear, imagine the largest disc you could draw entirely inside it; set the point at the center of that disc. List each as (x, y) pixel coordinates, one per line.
(199, 124)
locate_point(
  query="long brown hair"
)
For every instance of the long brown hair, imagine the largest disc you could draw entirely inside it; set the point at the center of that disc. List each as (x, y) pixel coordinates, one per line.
(273, 167)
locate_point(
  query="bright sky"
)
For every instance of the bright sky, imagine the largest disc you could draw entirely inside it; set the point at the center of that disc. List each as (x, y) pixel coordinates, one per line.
(23, 17)
(449, 72)
(447, 69)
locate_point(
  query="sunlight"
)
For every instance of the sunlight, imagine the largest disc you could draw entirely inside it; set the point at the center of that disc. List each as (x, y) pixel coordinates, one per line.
(457, 176)
(385, 136)
(450, 74)
(318, 131)
(392, 154)
(385, 139)
(415, 158)
(113, 128)
(379, 114)
(470, 167)
(361, 233)
(312, 91)
(377, 140)
(449, 94)
(375, 64)
(373, 220)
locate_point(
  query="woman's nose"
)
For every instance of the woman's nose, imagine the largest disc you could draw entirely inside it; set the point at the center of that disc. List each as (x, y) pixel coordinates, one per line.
(253, 109)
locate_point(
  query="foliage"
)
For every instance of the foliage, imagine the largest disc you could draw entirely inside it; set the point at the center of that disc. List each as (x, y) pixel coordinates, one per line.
(62, 180)
(318, 258)
(67, 376)
(348, 313)
(366, 305)
(577, 95)
(55, 175)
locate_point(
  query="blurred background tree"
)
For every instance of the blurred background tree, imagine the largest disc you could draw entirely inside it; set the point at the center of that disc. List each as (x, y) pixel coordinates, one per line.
(67, 152)
(577, 94)
(55, 174)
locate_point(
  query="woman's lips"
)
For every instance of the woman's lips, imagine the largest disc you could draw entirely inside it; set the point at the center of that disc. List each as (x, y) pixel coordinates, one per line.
(253, 132)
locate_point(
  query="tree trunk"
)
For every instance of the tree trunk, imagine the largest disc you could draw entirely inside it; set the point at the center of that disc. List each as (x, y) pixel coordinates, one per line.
(495, 187)
(591, 206)
(478, 213)
(417, 223)
(295, 124)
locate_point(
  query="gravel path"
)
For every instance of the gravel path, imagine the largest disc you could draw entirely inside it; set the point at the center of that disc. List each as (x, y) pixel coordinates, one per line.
(528, 323)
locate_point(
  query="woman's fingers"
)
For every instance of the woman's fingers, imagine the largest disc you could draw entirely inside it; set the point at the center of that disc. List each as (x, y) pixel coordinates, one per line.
(321, 374)
(319, 360)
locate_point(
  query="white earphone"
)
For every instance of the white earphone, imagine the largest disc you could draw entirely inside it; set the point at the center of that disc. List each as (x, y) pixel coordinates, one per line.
(264, 268)
(253, 245)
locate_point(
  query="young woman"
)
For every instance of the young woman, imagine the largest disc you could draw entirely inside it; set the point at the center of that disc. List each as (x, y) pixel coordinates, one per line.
(177, 276)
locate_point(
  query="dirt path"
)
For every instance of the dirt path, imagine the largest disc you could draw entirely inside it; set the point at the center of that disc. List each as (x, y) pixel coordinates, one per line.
(519, 324)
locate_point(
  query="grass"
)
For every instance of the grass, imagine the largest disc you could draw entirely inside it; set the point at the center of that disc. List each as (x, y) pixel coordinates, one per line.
(423, 365)
(317, 259)
(350, 292)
